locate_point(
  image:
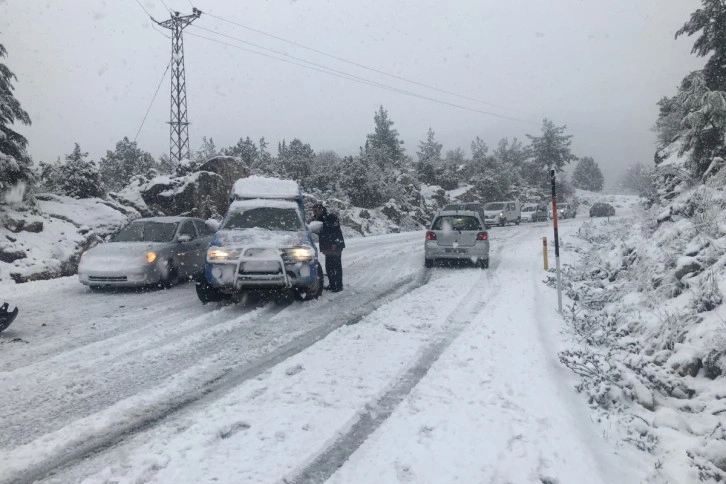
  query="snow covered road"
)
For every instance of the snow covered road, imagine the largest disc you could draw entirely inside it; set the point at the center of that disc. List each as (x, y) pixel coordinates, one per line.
(409, 375)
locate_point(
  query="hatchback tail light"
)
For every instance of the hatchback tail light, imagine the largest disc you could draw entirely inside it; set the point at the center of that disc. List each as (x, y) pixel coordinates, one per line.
(482, 236)
(430, 235)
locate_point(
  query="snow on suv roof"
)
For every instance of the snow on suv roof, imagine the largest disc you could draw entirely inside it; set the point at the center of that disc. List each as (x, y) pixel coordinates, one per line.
(265, 187)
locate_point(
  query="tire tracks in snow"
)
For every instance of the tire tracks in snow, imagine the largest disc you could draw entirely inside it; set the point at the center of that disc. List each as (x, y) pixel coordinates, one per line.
(68, 454)
(330, 459)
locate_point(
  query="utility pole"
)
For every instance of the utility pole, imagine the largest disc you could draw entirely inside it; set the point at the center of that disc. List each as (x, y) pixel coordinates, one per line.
(178, 124)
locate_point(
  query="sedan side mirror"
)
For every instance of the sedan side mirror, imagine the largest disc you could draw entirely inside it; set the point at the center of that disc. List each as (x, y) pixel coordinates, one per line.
(184, 238)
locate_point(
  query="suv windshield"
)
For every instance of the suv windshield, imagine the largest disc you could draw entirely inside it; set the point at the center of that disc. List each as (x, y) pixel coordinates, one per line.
(454, 222)
(146, 232)
(494, 206)
(269, 218)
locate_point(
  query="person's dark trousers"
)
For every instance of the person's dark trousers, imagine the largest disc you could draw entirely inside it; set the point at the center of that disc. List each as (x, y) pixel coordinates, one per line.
(334, 268)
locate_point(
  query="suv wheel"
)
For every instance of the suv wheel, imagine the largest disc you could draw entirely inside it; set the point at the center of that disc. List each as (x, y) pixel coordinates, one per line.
(312, 291)
(484, 263)
(519, 219)
(207, 293)
(502, 222)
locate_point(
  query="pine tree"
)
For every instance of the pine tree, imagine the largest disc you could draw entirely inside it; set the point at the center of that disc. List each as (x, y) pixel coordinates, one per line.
(206, 151)
(126, 161)
(710, 21)
(295, 159)
(429, 158)
(587, 175)
(383, 144)
(552, 148)
(246, 150)
(15, 164)
(74, 177)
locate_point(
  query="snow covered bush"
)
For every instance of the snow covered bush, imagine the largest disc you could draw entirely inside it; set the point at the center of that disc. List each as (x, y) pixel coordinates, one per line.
(75, 177)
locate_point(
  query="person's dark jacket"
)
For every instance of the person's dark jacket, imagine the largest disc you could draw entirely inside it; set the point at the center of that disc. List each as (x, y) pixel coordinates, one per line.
(330, 234)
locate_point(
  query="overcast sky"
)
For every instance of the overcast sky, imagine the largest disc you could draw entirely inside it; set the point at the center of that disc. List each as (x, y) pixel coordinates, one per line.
(87, 71)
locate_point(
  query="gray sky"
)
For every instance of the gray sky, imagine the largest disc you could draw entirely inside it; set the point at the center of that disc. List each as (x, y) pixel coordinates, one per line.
(87, 70)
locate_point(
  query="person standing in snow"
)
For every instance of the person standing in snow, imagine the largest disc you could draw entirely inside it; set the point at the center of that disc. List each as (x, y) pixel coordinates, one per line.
(331, 245)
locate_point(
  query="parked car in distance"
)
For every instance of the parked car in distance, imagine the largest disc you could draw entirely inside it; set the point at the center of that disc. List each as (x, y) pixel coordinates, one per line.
(457, 235)
(263, 243)
(602, 210)
(564, 210)
(502, 213)
(148, 251)
(471, 206)
(534, 213)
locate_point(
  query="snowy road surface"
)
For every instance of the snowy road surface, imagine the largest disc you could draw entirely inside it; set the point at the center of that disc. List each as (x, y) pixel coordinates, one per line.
(409, 375)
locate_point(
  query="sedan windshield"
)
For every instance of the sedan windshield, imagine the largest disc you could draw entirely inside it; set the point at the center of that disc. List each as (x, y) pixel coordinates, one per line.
(146, 232)
(269, 218)
(452, 222)
(494, 206)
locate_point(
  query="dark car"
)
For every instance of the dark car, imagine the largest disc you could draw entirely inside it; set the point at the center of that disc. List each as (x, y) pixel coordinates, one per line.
(602, 210)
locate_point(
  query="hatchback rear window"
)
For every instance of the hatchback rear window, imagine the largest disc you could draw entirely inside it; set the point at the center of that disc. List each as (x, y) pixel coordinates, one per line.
(455, 222)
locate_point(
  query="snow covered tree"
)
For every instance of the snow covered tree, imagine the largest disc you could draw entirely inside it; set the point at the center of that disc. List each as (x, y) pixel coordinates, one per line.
(429, 158)
(552, 148)
(295, 159)
(246, 150)
(15, 164)
(75, 177)
(126, 161)
(206, 151)
(362, 184)
(710, 21)
(324, 172)
(587, 175)
(635, 179)
(383, 144)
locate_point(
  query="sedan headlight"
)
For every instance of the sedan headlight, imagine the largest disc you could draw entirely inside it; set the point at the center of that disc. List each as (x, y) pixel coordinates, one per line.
(222, 254)
(150, 257)
(301, 253)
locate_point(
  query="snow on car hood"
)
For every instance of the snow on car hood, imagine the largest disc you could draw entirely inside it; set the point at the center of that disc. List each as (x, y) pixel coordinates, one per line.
(256, 237)
(114, 255)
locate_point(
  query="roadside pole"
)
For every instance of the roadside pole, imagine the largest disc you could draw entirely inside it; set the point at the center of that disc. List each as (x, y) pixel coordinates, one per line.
(557, 241)
(544, 253)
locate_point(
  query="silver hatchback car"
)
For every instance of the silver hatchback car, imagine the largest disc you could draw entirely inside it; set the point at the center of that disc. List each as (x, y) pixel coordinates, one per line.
(148, 251)
(457, 235)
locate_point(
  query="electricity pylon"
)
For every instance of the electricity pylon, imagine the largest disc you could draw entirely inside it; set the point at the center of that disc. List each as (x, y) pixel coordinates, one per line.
(178, 124)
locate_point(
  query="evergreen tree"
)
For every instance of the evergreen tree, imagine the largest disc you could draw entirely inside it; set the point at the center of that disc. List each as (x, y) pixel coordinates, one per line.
(206, 151)
(15, 164)
(429, 158)
(324, 172)
(75, 177)
(587, 175)
(383, 144)
(635, 179)
(710, 21)
(246, 150)
(126, 161)
(552, 148)
(294, 160)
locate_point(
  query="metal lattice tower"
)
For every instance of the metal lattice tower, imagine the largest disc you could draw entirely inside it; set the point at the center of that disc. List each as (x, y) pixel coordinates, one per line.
(178, 124)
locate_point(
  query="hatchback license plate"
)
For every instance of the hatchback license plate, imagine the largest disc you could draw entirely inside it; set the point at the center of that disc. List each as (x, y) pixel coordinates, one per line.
(456, 251)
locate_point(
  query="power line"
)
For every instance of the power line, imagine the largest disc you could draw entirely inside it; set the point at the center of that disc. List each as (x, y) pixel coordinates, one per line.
(142, 8)
(165, 6)
(345, 75)
(152, 100)
(362, 66)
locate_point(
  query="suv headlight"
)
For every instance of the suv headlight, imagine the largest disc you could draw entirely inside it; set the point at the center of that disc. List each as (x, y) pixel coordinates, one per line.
(302, 253)
(222, 254)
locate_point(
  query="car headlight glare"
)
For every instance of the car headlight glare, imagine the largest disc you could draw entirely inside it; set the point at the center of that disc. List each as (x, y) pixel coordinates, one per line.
(150, 257)
(301, 253)
(222, 254)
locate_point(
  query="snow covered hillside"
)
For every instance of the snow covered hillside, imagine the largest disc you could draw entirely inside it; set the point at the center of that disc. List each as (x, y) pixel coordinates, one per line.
(47, 239)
